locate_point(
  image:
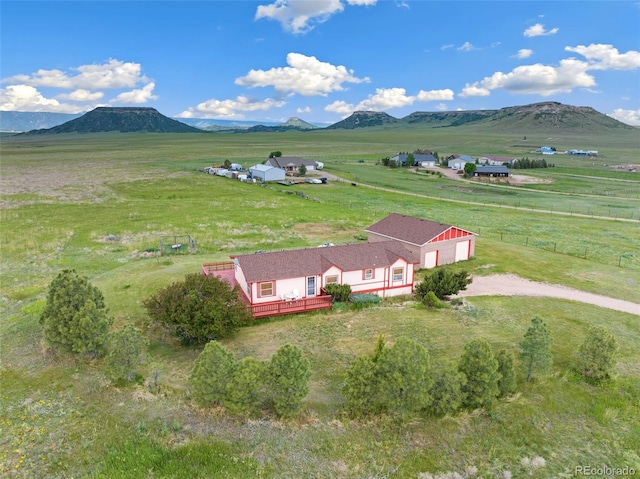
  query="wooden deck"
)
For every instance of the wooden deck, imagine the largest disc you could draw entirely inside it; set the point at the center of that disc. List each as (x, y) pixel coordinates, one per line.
(279, 308)
(226, 270)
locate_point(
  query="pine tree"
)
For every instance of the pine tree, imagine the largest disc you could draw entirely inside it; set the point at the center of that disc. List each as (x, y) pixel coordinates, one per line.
(75, 319)
(480, 368)
(245, 390)
(213, 370)
(535, 355)
(596, 357)
(446, 391)
(126, 353)
(507, 369)
(405, 376)
(288, 376)
(362, 388)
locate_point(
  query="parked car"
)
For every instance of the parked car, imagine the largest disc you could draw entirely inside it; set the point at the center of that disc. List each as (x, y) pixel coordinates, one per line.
(314, 181)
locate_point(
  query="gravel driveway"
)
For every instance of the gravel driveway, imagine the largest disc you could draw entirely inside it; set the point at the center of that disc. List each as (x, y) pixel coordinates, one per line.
(512, 285)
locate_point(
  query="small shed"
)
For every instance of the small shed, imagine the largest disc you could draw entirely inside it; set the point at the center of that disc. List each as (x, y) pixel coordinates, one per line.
(266, 173)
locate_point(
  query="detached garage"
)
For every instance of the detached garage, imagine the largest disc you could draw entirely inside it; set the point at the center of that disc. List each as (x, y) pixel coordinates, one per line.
(433, 243)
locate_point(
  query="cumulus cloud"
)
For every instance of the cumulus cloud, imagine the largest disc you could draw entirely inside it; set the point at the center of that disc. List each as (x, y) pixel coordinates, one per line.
(305, 75)
(81, 95)
(230, 108)
(474, 90)
(547, 80)
(524, 53)
(301, 16)
(28, 98)
(389, 98)
(539, 79)
(538, 30)
(607, 57)
(112, 74)
(138, 96)
(306, 109)
(442, 107)
(630, 117)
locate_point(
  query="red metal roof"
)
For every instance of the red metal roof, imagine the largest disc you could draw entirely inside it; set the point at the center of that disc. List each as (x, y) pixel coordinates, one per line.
(408, 228)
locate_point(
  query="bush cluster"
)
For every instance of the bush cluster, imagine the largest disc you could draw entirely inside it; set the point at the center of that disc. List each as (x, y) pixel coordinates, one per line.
(442, 282)
(251, 386)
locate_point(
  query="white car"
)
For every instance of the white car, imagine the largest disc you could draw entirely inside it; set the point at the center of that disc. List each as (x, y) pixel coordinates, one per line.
(314, 181)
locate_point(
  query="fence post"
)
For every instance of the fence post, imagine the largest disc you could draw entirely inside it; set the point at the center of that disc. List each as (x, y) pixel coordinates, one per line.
(585, 253)
(527, 242)
(554, 247)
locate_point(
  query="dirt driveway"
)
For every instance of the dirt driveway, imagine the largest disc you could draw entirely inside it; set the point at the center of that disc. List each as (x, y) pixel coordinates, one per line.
(512, 285)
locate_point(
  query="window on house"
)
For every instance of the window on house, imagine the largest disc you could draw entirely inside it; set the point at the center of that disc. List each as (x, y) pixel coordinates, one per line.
(398, 274)
(266, 289)
(368, 274)
(331, 279)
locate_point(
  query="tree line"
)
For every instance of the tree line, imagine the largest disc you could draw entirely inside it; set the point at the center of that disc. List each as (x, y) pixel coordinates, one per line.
(397, 379)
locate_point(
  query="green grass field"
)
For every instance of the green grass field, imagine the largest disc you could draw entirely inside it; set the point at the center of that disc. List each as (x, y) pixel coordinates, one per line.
(62, 197)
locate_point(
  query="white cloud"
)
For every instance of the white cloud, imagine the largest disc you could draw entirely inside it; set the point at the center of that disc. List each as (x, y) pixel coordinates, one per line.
(112, 74)
(305, 75)
(389, 98)
(360, 3)
(474, 90)
(299, 16)
(28, 98)
(442, 107)
(524, 53)
(138, 96)
(466, 47)
(538, 30)
(630, 117)
(447, 46)
(306, 109)
(606, 57)
(81, 95)
(230, 108)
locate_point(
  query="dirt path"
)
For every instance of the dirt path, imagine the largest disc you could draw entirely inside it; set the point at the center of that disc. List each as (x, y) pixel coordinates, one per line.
(512, 285)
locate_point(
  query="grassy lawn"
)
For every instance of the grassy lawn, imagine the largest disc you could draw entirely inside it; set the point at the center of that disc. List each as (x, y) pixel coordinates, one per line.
(63, 197)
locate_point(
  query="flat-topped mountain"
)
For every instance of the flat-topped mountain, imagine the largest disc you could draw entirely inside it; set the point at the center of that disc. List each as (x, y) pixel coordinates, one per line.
(121, 119)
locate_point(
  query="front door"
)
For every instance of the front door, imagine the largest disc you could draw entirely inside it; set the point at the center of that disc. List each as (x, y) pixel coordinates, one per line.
(311, 286)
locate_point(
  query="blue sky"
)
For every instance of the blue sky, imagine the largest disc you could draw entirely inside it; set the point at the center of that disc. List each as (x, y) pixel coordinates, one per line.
(319, 59)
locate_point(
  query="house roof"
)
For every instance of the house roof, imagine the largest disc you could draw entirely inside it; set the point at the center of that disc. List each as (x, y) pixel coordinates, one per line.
(316, 261)
(260, 167)
(290, 161)
(492, 169)
(408, 228)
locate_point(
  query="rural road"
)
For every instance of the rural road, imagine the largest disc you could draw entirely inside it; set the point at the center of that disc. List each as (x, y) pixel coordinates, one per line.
(512, 285)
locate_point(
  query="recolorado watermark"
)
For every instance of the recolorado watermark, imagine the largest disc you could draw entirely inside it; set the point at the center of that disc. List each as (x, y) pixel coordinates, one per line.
(604, 471)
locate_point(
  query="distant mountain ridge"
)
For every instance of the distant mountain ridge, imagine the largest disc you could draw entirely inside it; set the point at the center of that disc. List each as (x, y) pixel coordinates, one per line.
(545, 115)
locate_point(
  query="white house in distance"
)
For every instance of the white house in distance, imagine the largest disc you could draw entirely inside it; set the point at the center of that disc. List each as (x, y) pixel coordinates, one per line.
(266, 173)
(433, 243)
(291, 164)
(458, 162)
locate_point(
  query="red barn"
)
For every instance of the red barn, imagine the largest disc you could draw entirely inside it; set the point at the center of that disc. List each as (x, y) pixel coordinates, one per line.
(434, 243)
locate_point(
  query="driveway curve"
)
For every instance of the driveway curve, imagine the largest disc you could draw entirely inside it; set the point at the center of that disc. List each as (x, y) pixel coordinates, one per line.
(513, 285)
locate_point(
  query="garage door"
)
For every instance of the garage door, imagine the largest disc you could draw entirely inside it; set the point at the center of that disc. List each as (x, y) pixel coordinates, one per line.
(462, 251)
(431, 259)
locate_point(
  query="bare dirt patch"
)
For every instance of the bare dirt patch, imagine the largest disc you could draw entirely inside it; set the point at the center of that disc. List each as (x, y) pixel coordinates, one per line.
(527, 180)
(512, 285)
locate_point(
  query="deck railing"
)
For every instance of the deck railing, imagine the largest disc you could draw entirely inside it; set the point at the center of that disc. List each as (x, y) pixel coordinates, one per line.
(279, 308)
(208, 268)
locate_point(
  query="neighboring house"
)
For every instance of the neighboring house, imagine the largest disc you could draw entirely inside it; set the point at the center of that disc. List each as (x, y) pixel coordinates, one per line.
(433, 243)
(291, 164)
(496, 160)
(547, 150)
(492, 171)
(418, 159)
(458, 162)
(266, 173)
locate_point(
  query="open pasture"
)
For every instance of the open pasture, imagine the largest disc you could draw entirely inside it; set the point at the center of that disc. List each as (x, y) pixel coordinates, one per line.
(63, 197)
